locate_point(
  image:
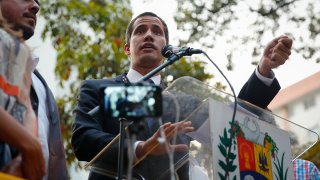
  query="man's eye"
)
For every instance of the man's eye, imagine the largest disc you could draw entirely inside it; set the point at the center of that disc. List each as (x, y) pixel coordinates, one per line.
(158, 33)
(139, 31)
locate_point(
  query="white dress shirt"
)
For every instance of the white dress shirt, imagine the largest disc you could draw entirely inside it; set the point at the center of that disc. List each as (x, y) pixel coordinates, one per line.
(134, 76)
(42, 119)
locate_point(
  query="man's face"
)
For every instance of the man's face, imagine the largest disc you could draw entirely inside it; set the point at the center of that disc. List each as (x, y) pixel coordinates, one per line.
(146, 42)
(21, 14)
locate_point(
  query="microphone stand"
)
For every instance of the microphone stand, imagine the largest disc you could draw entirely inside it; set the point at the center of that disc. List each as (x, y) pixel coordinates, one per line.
(121, 145)
(133, 129)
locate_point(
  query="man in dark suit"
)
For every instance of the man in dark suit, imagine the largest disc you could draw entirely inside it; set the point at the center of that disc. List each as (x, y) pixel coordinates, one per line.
(145, 37)
(42, 101)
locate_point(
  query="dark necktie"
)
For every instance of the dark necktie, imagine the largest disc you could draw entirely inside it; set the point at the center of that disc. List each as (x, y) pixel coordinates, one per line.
(151, 122)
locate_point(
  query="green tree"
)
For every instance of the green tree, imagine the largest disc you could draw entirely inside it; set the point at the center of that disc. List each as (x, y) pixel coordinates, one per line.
(242, 24)
(89, 38)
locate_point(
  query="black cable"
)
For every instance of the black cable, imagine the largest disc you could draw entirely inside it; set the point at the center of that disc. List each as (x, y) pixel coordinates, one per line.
(232, 90)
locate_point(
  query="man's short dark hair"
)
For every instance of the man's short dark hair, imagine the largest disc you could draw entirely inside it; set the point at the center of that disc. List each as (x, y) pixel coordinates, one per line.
(130, 26)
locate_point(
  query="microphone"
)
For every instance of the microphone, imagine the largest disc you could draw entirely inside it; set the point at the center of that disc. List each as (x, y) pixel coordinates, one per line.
(169, 50)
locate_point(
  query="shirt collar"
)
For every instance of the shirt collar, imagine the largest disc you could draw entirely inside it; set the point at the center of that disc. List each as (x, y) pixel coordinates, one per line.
(134, 76)
(35, 60)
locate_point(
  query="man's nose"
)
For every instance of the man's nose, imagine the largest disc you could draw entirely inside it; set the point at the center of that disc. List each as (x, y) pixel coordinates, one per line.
(148, 36)
(34, 7)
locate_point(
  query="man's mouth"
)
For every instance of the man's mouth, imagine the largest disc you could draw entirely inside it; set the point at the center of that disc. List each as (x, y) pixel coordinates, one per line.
(31, 17)
(148, 46)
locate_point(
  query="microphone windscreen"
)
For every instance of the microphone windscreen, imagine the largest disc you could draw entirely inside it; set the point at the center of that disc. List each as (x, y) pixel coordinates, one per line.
(167, 51)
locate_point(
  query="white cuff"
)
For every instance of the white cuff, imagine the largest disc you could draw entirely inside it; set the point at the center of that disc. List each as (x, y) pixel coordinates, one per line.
(135, 145)
(266, 80)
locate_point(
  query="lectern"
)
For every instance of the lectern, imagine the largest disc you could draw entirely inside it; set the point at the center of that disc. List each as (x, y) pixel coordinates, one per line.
(254, 145)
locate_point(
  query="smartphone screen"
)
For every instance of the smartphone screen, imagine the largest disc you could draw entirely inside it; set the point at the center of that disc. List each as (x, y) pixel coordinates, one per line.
(133, 101)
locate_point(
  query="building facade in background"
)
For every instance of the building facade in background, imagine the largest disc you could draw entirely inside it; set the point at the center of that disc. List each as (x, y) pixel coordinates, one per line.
(300, 103)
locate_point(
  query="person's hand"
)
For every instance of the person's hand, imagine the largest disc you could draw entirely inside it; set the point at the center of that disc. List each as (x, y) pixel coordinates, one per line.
(275, 54)
(33, 164)
(157, 144)
(14, 167)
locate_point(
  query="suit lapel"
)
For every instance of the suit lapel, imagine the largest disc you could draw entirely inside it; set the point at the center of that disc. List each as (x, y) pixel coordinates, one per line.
(122, 79)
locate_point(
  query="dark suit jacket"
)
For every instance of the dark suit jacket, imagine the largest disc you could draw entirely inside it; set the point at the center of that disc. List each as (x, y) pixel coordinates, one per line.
(257, 93)
(92, 133)
(57, 160)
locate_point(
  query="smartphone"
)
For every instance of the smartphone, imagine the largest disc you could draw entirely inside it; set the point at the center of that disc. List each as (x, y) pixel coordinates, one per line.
(132, 101)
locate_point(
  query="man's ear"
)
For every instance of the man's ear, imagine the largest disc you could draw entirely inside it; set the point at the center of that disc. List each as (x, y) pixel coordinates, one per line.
(127, 49)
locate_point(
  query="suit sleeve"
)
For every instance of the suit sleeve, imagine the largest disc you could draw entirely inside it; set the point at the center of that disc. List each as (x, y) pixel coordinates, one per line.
(88, 136)
(257, 93)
